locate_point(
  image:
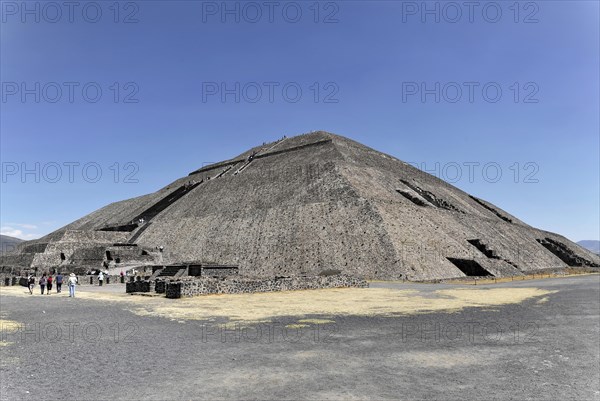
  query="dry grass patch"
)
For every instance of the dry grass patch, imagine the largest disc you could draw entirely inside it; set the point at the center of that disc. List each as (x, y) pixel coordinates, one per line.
(9, 326)
(316, 321)
(296, 326)
(345, 302)
(264, 307)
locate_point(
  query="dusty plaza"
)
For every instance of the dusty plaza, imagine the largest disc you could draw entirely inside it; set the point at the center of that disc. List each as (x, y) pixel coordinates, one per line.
(524, 339)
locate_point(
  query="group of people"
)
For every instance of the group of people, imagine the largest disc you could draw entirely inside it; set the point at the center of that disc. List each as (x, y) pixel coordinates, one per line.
(102, 275)
(46, 282)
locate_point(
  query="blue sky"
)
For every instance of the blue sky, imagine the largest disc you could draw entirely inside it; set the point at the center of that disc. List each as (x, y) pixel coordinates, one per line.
(502, 88)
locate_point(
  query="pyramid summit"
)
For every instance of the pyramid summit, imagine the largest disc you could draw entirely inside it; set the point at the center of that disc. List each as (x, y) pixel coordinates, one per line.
(303, 205)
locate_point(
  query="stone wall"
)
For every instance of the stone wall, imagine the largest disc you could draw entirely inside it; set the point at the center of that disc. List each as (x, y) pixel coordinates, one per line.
(204, 286)
(116, 279)
(9, 280)
(140, 286)
(88, 256)
(19, 260)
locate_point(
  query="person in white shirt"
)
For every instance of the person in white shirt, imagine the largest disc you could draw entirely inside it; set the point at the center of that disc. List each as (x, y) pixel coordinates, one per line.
(72, 282)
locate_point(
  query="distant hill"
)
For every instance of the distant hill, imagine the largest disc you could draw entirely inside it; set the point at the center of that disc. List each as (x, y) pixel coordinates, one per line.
(8, 244)
(591, 245)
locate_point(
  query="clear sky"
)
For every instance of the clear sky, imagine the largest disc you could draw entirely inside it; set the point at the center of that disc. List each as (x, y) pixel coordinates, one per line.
(145, 92)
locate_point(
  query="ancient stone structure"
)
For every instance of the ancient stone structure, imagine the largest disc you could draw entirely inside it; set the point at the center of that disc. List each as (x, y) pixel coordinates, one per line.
(189, 287)
(303, 205)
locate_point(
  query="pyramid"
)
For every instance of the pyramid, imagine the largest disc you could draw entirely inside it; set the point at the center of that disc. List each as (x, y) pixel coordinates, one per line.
(303, 205)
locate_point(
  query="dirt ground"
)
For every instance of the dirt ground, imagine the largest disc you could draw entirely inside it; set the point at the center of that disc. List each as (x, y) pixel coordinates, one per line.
(533, 339)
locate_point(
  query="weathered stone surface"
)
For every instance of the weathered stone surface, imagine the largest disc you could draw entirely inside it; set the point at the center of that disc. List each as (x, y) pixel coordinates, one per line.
(130, 287)
(207, 285)
(173, 290)
(160, 286)
(307, 204)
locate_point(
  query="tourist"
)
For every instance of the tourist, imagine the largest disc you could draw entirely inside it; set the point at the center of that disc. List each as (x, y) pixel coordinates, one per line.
(43, 281)
(49, 284)
(31, 283)
(100, 279)
(72, 282)
(59, 280)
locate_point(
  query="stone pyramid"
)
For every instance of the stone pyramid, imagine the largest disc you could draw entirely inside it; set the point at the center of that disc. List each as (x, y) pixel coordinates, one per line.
(304, 205)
